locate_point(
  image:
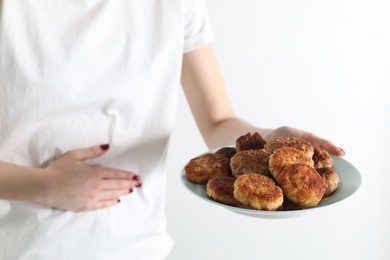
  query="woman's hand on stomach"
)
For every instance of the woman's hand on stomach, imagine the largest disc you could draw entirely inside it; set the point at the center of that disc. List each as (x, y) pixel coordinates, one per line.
(72, 184)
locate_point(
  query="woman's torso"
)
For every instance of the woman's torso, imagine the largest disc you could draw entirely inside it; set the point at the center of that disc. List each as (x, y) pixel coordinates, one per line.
(80, 73)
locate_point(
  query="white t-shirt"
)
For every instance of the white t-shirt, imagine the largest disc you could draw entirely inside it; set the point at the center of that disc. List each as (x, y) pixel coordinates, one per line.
(77, 73)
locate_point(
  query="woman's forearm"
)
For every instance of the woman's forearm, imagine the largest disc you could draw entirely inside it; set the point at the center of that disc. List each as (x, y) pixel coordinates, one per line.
(227, 131)
(21, 183)
(68, 183)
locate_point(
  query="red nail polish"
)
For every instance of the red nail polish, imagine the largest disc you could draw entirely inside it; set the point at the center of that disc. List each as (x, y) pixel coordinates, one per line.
(138, 185)
(118, 200)
(131, 190)
(105, 147)
(136, 178)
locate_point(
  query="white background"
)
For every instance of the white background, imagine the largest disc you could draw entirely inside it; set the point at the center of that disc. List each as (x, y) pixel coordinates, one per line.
(323, 66)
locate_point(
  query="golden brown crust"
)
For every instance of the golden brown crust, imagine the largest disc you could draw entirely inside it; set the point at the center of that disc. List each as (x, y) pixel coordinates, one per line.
(286, 156)
(221, 189)
(302, 185)
(250, 141)
(287, 173)
(258, 191)
(228, 152)
(322, 158)
(250, 161)
(203, 168)
(295, 142)
(332, 180)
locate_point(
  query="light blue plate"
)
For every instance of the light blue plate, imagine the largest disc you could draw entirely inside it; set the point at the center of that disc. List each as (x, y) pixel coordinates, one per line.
(350, 182)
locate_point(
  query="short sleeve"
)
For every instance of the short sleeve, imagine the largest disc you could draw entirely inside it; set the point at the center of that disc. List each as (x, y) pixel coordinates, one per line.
(197, 30)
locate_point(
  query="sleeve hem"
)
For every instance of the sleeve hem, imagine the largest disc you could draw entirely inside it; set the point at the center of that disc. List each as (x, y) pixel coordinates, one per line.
(197, 41)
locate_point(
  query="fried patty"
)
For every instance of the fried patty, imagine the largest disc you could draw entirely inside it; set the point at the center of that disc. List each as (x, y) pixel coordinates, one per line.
(298, 143)
(221, 189)
(250, 141)
(302, 184)
(286, 156)
(332, 180)
(201, 169)
(322, 158)
(250, 161)
(258, 191)
(228, 152)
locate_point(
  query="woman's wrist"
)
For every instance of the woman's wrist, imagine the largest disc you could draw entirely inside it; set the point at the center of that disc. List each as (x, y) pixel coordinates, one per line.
(22, 183)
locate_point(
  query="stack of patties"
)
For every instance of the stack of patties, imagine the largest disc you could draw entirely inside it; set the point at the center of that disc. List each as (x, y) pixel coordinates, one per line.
(247, 182)
(213, 169)
(254, 186)
(323, 163)
(305, 173)
(285, 173)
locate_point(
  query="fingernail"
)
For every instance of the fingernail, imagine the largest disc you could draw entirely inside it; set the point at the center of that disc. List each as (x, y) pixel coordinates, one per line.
(136, 178)
(138, 185)
(118, 200)
(342, 151)
(105, 147)
(131, 190)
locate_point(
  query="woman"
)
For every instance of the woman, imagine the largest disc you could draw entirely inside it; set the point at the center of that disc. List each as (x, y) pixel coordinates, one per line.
(88, 92)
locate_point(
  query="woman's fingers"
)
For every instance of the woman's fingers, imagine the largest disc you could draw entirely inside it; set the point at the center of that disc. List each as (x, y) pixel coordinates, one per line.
(105, 203)
(114, 194)
(101, 204)
(87, 153)
(97, 151)
(110, 173)
(332, 148)
(107, 199)
(323, 143)
(119, 184)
